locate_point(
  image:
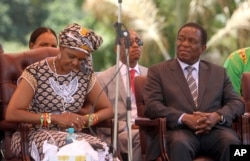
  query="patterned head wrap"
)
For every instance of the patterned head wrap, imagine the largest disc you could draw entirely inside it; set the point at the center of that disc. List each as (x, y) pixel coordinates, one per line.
(76, 37)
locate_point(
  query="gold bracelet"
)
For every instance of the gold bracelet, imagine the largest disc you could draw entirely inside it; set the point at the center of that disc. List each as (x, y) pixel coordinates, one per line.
(41, 119)
(49, 119)
(93, 119)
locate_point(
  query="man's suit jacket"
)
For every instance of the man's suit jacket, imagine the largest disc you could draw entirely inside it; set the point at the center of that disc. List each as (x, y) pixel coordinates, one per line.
(167, 93)
(104, 78)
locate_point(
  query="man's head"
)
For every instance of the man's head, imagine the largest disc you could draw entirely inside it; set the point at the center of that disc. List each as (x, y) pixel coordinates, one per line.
(191, 42)
(135, 48)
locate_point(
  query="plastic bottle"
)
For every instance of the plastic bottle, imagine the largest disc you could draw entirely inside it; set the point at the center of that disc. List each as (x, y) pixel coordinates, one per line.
(71, 135)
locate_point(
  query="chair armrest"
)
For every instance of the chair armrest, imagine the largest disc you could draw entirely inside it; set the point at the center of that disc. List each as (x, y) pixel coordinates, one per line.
(24, 129)
(159, 124)
(245, 124)
(8, 126)
(146, 122)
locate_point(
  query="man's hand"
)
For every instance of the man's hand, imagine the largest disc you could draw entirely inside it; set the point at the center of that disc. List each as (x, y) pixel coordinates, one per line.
(191, 120)
(206, 122)
(201, 122)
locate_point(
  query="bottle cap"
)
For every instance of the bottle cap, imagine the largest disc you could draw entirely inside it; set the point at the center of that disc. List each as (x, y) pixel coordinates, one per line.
(71, 130)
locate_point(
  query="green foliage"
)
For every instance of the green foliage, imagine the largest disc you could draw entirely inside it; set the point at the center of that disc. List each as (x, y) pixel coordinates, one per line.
(20, 17)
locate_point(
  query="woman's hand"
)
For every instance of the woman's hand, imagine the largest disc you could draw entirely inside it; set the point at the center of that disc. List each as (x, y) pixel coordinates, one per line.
(68, 119)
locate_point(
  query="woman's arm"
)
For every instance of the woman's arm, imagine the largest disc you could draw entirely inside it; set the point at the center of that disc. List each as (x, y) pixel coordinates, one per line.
(102, 106)
(19, 102)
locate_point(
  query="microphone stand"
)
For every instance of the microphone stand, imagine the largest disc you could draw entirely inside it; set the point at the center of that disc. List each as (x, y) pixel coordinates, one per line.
(128, 99)
(118, 37)
(120, 34)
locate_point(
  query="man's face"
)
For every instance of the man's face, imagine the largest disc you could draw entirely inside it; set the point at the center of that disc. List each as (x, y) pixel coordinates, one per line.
(135, 49)
(189, 46)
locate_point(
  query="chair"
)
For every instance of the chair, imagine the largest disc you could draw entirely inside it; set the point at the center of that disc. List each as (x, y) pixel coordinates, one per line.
(149, 128)
(245, 86)
(11, 67)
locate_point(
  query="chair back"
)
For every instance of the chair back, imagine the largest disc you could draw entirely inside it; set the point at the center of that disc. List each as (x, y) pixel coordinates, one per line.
(245, 89)
(148, 129)
(139, 84)
(11, 67)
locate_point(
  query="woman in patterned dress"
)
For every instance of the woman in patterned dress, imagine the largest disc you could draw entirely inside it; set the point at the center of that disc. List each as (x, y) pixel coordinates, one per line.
(57, 92)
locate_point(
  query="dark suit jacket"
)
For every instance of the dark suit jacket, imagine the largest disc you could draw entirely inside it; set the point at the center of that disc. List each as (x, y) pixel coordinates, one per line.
(167, 93)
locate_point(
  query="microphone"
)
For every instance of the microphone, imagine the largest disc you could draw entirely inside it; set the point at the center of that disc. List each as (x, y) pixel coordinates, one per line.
(85, 68)
(125, 34)
(86, 65)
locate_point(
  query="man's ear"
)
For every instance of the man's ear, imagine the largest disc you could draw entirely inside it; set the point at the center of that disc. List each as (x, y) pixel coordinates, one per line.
(204, 47)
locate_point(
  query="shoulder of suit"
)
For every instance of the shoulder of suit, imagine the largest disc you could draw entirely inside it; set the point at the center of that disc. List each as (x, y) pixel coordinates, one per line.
(108, 71)
(143, 67)
(171, 63)
(209, 65)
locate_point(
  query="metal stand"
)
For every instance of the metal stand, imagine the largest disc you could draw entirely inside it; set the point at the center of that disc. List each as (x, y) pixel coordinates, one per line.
(121, 33)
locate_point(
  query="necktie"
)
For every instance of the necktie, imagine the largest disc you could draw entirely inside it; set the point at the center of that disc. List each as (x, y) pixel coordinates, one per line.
(192, 85)
(132, 77)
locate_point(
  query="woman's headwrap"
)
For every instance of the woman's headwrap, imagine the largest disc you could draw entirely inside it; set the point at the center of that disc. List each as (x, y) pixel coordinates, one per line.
(77, 37)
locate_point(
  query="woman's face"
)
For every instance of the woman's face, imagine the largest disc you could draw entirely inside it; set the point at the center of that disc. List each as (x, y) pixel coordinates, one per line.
(46, 39)
(71, 59)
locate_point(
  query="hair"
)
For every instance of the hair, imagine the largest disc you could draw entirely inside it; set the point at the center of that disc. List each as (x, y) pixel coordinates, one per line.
(199, 27)
(1, 48)
(40, 30)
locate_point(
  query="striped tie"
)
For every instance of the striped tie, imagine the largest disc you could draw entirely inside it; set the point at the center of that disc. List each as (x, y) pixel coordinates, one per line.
(192, 85)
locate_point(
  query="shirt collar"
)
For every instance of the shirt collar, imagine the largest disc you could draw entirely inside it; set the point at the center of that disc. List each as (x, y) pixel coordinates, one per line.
(184, 65)
(123, 69)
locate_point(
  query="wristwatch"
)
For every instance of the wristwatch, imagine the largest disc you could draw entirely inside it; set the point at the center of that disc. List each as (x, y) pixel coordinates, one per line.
(222, 119)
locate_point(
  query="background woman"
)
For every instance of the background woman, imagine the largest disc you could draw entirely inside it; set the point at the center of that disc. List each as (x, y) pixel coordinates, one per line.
(43, 37)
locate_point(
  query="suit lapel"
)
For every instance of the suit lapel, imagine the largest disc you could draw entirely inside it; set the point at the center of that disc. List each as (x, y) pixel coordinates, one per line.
(181, 81)
(204, 78)
(121, 88)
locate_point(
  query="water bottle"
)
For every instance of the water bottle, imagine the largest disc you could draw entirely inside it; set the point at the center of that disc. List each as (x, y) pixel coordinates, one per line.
(71, 135)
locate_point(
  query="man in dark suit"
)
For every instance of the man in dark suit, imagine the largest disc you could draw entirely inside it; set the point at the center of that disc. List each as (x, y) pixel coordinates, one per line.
(199, 124)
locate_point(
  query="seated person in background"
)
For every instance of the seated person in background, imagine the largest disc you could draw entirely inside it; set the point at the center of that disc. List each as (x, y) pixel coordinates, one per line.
(236, 64)
(135, 51)
(1, 49)
(55, 91)
(198, 103)
(43, 37)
